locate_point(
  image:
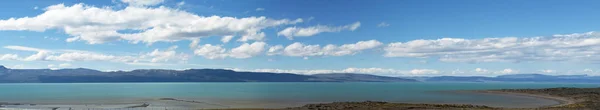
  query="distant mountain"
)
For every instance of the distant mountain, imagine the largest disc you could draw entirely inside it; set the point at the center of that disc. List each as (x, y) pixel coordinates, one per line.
(518, 78)
(525, 76)
(82, 75)
(2, 68)
(457, 79)
(350, 77)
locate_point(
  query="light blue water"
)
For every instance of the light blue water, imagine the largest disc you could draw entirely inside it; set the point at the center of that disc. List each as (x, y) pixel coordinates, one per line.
(265, 92)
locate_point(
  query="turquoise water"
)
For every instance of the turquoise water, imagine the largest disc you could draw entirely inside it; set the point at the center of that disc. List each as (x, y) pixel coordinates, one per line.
(271, 92)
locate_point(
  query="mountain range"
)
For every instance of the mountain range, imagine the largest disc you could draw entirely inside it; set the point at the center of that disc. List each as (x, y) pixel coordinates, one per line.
(83, 75)
(518, 78)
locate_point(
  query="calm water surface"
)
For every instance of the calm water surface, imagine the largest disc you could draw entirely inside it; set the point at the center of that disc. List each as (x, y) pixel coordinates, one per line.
(237, 93)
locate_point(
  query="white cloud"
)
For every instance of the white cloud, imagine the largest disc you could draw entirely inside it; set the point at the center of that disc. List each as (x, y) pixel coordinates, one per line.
(310, 18)
(181, 3)
(51, 66)
(51, 38)
(64, 65)
(23, 48)
(301, 50)
(274, 50)
(248, 50)
(211, 51)
(245, 50)
(140, 24)
(41, 55)
(481, 70)
(78, 56)
(383, 24)
(226, 39)
(548, 71)
(59, 66)
(168, 55)
(574, 47)
(374, 71)
(66, 55)
(486, 72)
(143, 2)
(19, 66)
(292, 32)
(9, 57)
(194, 43)
(507, 71)
(423, 71)
(260, 9)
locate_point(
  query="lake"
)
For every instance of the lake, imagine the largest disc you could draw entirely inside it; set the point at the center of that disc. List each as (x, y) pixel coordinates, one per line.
(266, 95)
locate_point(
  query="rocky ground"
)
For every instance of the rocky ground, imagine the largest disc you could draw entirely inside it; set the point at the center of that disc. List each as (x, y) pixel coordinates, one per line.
(582, 98)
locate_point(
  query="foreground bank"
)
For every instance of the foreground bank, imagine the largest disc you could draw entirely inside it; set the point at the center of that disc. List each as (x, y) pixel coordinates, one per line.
(570, 98)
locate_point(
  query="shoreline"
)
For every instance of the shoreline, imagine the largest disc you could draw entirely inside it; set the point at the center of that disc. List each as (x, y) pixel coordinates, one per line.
(561, 100)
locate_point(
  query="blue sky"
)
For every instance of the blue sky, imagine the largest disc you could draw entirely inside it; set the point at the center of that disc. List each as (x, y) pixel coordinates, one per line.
(386, 37)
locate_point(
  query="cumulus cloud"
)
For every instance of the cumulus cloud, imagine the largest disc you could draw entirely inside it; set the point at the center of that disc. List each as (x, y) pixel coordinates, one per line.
(301, 50)
(248, 50)
(577, 47)
(66, 55)
(245, 50)
(143, 2)
(210, 51)
(167, 55)
(140, 24)
(292, 32)
(226, 39)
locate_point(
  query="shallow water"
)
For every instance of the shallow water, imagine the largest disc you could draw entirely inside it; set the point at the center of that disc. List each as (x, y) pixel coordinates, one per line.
(268, 94)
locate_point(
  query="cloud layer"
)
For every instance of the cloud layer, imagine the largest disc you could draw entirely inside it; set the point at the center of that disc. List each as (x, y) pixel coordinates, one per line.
(245, 50)
(292, 32)
(301, 50)
(140, 24)
(377, 71)
(583, 47)
(155, 56)
(390, 72)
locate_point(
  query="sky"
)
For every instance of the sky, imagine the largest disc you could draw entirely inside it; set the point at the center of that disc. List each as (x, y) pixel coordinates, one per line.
(380, 37)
